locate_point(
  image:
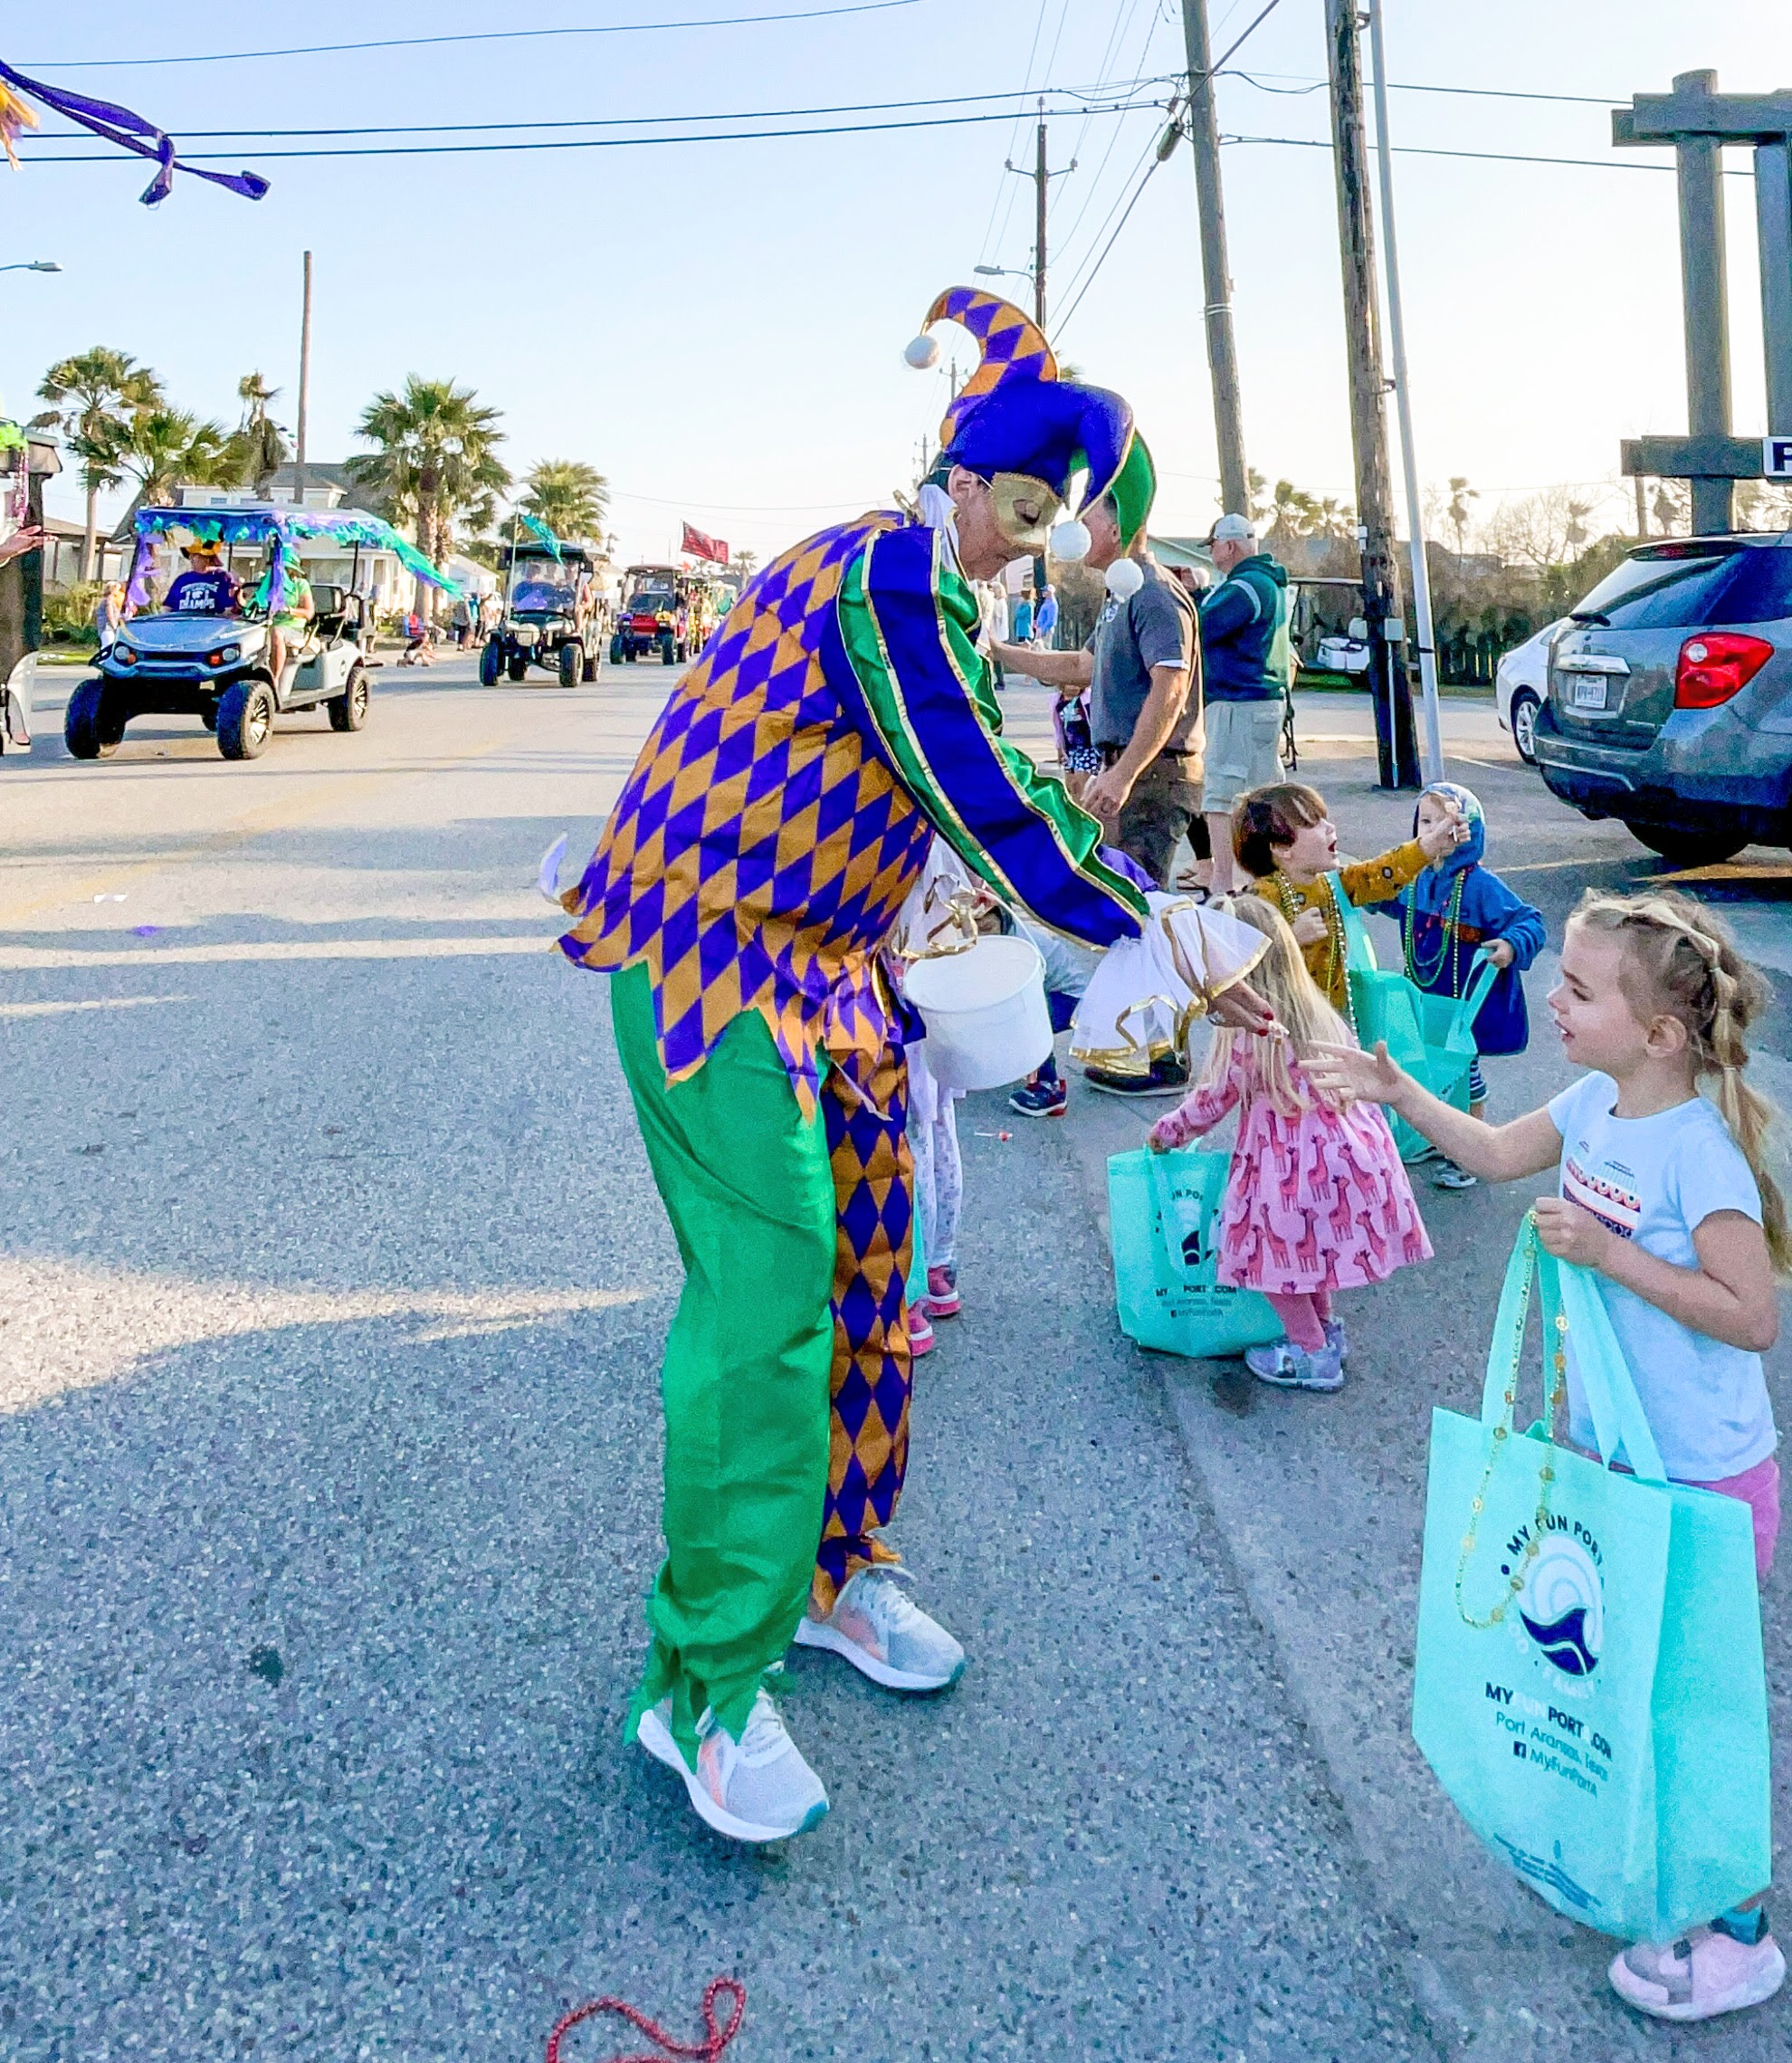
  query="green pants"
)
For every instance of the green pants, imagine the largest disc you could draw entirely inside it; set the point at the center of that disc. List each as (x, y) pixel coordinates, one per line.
(748, 1185)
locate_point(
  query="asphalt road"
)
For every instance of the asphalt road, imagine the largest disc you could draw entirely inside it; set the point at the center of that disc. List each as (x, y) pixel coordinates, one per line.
(331, 1294)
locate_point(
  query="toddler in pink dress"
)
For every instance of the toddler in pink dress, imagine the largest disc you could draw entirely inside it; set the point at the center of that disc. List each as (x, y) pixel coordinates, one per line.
(1316, 1199)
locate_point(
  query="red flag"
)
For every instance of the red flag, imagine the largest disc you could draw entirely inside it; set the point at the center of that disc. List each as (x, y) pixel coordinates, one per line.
(697, 546)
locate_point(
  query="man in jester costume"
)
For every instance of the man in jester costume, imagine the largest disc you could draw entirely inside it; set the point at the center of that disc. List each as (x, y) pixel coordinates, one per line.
(746, 881)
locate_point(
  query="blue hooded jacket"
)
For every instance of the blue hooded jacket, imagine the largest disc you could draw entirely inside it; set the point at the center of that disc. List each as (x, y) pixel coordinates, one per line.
(1441, 954)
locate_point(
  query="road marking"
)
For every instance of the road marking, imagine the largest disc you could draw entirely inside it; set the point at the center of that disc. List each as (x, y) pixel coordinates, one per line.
(19, 959)
(86, 1003)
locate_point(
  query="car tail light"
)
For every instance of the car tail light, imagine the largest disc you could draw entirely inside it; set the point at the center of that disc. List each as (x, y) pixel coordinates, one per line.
(1717, 666)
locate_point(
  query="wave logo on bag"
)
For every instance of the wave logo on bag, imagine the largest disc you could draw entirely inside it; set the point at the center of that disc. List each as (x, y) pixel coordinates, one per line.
(1562, 1606)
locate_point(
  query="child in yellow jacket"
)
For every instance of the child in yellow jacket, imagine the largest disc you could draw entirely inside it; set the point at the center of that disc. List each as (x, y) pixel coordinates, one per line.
(1284, 837)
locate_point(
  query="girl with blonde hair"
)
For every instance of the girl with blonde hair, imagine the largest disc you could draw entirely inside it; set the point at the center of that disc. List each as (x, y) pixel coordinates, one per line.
(1668, 1197)
(1316, 1199)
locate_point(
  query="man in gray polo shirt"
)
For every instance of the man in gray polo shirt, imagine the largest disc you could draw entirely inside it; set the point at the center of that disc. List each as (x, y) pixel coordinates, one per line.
(1143, 669)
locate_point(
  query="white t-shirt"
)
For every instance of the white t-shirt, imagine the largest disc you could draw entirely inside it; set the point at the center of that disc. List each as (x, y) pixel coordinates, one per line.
(1656, 1180)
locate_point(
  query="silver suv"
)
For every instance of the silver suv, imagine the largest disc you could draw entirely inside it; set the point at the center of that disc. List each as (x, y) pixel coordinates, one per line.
(1670, 698)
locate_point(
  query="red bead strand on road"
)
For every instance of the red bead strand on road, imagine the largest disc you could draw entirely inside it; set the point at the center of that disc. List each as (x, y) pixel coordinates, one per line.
(705, 2051)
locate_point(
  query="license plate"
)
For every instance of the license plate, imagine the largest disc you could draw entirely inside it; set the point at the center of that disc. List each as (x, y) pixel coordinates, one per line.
(1589, 690)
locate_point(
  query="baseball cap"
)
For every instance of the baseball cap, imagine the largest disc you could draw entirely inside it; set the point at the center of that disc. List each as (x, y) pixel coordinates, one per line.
(1235, 528)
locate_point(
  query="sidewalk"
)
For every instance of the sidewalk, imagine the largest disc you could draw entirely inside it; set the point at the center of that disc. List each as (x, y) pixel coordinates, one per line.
(1320, 1504)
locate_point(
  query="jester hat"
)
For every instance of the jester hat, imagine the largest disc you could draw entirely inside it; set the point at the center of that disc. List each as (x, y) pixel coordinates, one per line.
(1029, 433)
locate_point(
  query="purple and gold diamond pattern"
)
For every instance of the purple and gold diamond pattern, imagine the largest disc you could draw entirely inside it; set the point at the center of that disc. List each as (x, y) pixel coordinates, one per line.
(872, 1379)
(758, 853)
(1011, 346)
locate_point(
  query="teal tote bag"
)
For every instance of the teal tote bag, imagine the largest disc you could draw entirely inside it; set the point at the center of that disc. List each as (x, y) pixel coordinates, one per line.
(1163, 1218)
(1588, 1684)
(1432, 1037)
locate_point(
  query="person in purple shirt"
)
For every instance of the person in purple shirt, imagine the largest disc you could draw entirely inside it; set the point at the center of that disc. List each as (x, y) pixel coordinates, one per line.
(205, 589)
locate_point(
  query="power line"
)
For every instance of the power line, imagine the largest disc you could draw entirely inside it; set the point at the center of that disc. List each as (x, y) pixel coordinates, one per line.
(1487, 157)
(1161, 157)
(1309, 85)
(1003, 190)
(1095, 185)
(574, 143)
(1092, 105)
(487, 36)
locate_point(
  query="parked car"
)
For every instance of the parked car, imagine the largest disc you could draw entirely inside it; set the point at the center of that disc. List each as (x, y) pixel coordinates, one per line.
(1519, 686)
(1670, 703)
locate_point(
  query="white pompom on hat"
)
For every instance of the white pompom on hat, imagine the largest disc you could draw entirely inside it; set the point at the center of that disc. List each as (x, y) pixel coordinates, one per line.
(1069, 541)
(921, 352)
(1126, 576)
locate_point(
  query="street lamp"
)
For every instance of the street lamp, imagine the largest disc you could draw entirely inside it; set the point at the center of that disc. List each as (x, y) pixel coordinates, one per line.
(34, 265)
(1005, 272)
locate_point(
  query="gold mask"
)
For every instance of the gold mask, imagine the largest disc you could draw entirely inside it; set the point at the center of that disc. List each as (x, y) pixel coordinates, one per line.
(1025, 510)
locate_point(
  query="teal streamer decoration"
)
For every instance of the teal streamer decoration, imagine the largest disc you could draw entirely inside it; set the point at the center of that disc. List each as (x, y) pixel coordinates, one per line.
(540, 532)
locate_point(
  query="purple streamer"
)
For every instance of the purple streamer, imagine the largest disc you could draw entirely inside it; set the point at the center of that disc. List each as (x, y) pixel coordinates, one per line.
(136, 595)
(130, 131)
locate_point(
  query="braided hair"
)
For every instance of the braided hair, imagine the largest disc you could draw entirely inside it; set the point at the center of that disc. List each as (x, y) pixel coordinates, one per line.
(1681, 959)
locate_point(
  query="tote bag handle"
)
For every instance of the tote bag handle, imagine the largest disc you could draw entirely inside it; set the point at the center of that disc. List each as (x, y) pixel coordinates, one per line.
(1480, 986)
(1572, 1304)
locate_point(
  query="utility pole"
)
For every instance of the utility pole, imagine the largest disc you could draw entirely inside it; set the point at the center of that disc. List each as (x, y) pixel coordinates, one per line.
(1396, 755)
(304, 389)
(1216, 275)
(1042, 177)
(1396, 338)
(1042, 180)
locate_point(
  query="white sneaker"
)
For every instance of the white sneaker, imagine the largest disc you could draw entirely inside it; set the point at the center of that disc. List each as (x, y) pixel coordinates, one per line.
(884, 1635)
(757, 1788)
(1705, 1974)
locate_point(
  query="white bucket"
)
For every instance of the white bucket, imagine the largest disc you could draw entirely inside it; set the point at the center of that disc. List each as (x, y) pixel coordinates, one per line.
(985, 1009)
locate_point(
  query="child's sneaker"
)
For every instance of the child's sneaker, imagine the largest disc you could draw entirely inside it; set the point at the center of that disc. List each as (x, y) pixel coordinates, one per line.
(1290, 1367)
(941, 1300)
(1041, 1098)
(1446, 1175)
(1336, 1340)
(1706, 1972)
(921, 1333)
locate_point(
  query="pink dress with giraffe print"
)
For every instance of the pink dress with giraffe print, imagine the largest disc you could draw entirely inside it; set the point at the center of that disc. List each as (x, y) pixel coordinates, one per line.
(1314, 1202)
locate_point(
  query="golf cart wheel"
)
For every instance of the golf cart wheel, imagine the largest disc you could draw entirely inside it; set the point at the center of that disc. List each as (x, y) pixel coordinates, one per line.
(93, 722)
(245, 719)
(590, 667)
(667, 653)
(1689, 848)
(517, 665)
(615, 652)
(1525, 706)
(491, 663)
(572, 665)
(349, 711)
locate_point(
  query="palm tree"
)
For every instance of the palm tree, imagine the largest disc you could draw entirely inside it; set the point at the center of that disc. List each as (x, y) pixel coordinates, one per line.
(166, 446)
(1457, 517)
(437, 460)
(742, 565)
(257, 446)
(567, 495)
(95, 398)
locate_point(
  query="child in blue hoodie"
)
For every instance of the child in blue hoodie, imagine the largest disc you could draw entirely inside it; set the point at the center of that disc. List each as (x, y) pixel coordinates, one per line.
(1457, 908)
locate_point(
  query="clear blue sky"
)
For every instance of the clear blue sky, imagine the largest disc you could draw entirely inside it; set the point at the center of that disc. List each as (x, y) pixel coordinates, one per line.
(718, 327)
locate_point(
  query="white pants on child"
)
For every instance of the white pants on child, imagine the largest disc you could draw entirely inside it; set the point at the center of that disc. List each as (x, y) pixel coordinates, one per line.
(939, 1175)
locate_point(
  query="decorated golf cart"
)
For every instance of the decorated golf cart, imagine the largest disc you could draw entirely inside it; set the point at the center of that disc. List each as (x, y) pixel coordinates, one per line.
(218, 664)
(550, 615)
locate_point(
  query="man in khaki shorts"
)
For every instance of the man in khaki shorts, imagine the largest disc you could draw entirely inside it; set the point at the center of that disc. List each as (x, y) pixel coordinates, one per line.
(1243, 663)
